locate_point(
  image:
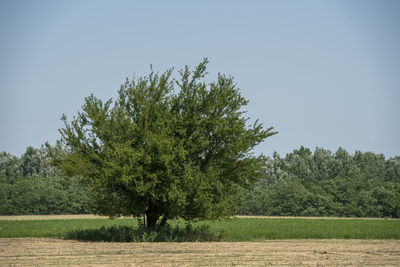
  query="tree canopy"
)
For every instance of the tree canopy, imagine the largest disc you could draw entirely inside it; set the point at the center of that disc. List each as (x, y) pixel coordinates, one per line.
(165, 147)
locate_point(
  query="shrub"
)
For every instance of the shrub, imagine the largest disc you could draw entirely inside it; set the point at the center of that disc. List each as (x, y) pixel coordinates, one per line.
(167, 233)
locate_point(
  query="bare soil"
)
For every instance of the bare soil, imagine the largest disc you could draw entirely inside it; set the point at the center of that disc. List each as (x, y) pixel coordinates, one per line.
(47, 251)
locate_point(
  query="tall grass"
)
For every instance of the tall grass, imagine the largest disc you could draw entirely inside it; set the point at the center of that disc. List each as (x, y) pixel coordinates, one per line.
(55, 228)
(253, 229)
(238, 229)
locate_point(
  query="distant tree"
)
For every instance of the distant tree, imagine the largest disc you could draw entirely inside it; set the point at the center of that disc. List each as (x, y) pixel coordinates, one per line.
(393, 169)
(36, 161)
(10, 166)
(31, 185)
(344, 162)
(326, 184)
(324, 162)
(43, 195)
(373, 165)
(300, 163)
(164, 152)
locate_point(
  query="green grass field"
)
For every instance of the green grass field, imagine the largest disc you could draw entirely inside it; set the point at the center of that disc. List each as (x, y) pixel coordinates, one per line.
(238, 229)
(256, 229)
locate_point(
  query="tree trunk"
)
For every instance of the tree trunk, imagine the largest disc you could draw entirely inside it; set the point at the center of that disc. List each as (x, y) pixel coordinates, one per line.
(151, 221)
(163, 221)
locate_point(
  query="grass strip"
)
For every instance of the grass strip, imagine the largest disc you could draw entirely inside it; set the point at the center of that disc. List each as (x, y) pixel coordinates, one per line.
(55, 228)
(254, 229)
(238, 229)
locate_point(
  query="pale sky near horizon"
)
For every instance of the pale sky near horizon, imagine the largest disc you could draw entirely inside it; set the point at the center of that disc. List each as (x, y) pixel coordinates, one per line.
(323, 73)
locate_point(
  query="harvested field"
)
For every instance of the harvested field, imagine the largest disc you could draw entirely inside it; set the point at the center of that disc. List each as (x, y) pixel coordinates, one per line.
(46, 251)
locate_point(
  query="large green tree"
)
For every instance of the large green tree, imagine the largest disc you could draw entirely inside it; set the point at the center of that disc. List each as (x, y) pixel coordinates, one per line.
(165, 147)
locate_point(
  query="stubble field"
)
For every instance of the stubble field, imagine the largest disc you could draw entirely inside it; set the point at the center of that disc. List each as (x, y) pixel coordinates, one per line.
(47, 251)
(365, 251)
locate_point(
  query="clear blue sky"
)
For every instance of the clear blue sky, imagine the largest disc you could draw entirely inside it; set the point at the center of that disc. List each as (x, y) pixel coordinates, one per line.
(323, 73)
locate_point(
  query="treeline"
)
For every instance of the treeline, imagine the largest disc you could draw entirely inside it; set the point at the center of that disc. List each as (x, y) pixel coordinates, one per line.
(322, 183)
(30, 185)
(304, 183)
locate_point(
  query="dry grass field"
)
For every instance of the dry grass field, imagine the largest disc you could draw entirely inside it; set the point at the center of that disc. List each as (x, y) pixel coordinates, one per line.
(47, 251)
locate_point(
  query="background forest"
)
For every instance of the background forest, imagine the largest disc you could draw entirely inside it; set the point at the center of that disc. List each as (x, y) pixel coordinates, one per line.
(31, 185)
(304, 183)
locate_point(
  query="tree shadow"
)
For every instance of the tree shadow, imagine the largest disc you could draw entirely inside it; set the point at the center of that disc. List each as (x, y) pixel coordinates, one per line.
(167, 233)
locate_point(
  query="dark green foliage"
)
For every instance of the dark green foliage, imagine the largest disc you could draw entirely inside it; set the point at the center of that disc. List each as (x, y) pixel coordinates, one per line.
(42, 195)
(303, 184)
(337, 184)
(326, 184)
(30, 185)
(10, 167)
(166, 233)
(165, 148)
